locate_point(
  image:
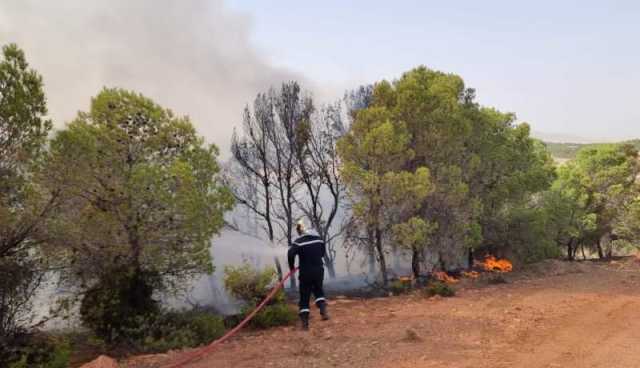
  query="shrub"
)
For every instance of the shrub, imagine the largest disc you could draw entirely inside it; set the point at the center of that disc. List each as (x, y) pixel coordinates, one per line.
(120, 310)
(252, 286)
(248, 284)
(441, 289)
(118, 304)
(41, 352)
(398, 287)
(174, 330)
(279, 314)
(20, 277)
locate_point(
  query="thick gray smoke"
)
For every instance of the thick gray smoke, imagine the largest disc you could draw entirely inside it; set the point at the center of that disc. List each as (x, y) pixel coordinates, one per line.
(193, 56)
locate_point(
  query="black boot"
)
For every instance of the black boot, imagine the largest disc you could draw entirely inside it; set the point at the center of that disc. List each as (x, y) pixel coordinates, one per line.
(304, 318)
(323, 310)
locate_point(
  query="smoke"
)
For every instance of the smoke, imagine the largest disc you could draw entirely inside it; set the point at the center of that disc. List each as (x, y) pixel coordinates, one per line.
(193, 56)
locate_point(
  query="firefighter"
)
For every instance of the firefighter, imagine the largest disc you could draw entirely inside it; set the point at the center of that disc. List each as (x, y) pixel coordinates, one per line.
(310, 249)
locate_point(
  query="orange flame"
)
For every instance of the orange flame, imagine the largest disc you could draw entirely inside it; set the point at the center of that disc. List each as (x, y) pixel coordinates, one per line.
(471, 275)
(492, 264)
(443, 277)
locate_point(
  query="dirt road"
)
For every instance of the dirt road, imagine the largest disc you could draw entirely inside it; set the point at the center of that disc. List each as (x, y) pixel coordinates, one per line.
(585, 315)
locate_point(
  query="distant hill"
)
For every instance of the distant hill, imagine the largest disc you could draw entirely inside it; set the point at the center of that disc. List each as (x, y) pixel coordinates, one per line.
(568, 151)
(568, 138)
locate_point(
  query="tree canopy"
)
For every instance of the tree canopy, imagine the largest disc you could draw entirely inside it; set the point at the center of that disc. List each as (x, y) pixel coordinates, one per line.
(593, 194)
(140, 186)
(481, 163)
(24, 207)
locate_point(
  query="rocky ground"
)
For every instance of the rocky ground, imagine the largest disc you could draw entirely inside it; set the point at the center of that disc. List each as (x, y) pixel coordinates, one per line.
(554, 314)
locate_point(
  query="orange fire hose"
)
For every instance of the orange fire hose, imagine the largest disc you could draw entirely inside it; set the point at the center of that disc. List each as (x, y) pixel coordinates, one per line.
(207, 349)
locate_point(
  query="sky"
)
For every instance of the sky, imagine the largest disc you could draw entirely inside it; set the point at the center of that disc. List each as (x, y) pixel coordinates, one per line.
(566, 67)
(569, 68)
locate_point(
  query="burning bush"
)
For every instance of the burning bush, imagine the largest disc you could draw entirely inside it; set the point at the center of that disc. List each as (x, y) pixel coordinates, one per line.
(471, 275)
(491, 264)
(445, 278)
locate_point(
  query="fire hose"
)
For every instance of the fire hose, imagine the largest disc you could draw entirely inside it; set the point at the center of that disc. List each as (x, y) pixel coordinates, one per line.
(209, 348)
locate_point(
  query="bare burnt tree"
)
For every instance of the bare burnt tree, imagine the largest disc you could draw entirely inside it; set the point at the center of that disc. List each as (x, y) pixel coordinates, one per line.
(266, 179)
(286, 165)
(319, 165)
(251, 153)
(288, 139)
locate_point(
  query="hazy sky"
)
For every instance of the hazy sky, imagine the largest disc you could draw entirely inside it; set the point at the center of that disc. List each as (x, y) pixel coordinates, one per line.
(564, 66)
(194, 57)
(568, 67)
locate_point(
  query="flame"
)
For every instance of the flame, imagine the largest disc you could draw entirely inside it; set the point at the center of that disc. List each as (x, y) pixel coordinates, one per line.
(471, 275)
(444, 277)
(492, 264)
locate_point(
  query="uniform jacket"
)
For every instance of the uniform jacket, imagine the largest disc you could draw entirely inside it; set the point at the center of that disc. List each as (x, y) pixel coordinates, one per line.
(310, 249)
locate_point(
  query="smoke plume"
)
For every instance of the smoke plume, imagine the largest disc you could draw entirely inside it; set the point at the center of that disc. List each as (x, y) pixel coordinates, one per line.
(193, 56)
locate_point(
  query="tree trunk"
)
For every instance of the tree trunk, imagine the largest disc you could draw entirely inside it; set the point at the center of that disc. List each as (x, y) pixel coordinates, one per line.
(584, 256)
(329, 260)
(267, 218)
(381, 258)
(441, 262)
(600, 252)
(609, 245)
(415, 263)
(570, 252)
(278, 268)
(331, 267)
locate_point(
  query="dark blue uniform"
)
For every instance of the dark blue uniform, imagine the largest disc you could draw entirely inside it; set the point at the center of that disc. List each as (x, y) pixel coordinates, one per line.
(310, 249)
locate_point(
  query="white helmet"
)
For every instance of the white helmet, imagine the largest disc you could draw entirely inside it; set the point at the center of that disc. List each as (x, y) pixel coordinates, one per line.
(300, 227)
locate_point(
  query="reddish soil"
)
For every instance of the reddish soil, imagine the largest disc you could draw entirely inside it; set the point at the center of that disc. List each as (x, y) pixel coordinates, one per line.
(574, 315)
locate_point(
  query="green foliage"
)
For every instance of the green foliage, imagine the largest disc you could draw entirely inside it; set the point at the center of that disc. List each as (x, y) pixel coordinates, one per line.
(24, 207)
(413, 234)
(440, 288)
(41, 352)
(248, 284)
(23, 128)
(252, 286)
(569, 151)
(627, 225)
(278, 314)
(163, 331)
(375, 154)
(481, 164)
(399, 287)
(114, 307)
(591, 196)
(142, 199)
(176, 330)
